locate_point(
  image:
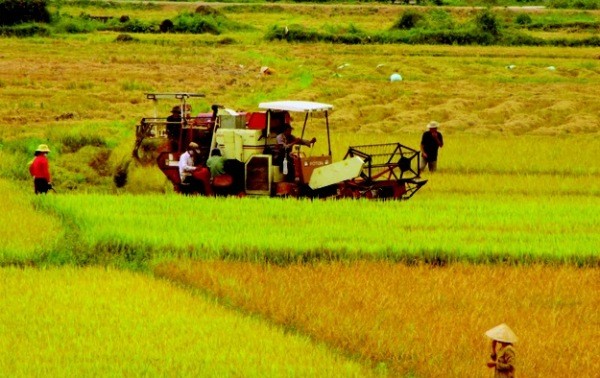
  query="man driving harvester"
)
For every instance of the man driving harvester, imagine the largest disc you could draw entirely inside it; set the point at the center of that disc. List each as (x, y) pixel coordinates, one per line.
(285, 142)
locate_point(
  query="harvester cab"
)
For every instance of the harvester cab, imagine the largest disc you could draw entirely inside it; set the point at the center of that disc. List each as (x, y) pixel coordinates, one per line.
(255, 146)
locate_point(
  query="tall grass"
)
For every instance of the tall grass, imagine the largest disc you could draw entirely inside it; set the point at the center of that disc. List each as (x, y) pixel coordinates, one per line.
(74, 322)
(418, 320)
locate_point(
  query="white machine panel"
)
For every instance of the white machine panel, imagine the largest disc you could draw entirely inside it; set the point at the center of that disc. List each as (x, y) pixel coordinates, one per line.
(336, 172)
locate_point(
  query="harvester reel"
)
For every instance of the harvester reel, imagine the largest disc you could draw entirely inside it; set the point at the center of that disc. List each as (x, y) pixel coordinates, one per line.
(405, 164)
(390, 171)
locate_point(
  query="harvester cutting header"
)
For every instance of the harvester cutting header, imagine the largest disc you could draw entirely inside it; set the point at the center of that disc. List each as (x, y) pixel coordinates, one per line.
(255, 153)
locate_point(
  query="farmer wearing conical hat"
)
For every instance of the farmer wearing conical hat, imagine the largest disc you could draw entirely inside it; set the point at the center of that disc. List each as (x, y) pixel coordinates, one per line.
(502, 359)
(39, 170)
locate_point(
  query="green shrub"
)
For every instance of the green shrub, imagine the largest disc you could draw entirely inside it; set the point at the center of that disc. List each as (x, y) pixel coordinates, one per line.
(13, 12)
(188, 22)
(23, 146)
(488, 22)
(137, 26)
(523, 19)
(577, 25)
(74, 25)
(293, 32)
(408, 20)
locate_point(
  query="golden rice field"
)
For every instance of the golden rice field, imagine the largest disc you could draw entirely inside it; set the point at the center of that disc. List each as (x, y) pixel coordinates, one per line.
(421, 321)
(228, 295)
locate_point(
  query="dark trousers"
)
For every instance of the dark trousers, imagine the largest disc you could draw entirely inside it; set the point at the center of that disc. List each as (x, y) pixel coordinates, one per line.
(41, 186)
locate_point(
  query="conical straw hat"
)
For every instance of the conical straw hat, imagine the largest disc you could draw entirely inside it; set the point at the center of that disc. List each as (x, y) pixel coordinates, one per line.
(502, 333)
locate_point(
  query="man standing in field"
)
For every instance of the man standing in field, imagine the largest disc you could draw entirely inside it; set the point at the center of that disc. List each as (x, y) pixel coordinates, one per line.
(502, 359)
(40, 171)
(431, 141)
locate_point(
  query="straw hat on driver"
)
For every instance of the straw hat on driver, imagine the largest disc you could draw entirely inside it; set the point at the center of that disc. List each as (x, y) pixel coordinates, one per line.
(42, 148)
(502, 333)
(433, 125)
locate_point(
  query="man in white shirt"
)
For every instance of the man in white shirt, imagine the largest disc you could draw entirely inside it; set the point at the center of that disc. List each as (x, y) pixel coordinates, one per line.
(186, 163)
(193, 179)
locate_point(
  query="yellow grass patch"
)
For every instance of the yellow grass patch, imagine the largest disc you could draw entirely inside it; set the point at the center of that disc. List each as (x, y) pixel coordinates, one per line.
(421, 320)
(95, 322)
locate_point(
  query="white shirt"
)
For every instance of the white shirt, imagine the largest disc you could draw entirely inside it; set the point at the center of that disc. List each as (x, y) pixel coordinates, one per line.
(186, 165)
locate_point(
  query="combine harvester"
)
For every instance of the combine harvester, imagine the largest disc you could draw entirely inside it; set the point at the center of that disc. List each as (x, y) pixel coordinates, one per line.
(248, 141)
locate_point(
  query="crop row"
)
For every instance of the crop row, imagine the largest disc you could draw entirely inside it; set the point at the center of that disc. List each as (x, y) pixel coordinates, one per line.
(443, 228)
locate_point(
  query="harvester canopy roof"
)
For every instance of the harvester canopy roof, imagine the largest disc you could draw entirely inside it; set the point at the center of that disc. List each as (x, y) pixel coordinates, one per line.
(296, 106)
(176, 96)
